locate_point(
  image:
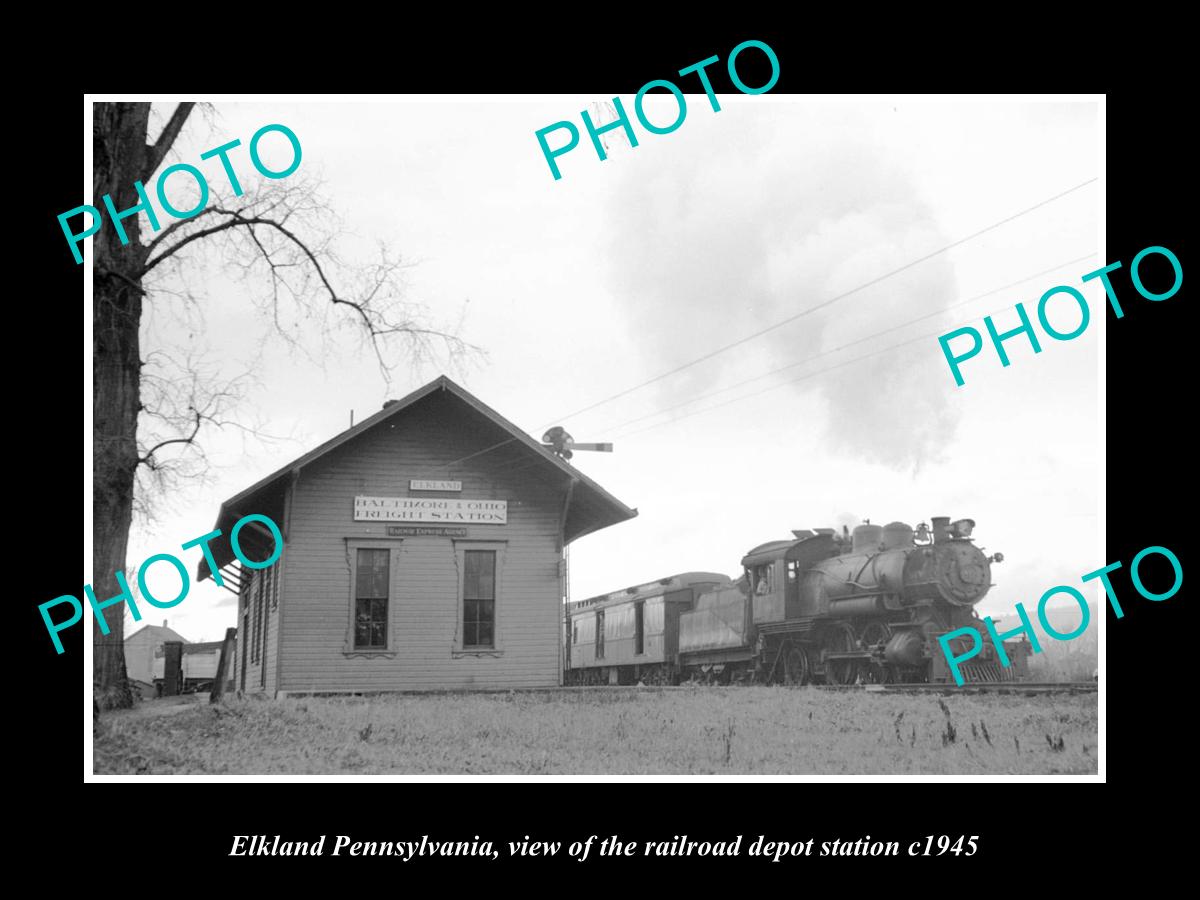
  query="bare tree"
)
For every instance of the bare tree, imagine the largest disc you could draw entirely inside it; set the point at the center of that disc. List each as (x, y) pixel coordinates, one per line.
(279, 235)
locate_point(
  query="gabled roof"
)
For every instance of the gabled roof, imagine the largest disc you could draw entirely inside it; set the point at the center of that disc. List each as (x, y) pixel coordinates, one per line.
(592, 507)
(206, 647)
(159, 633)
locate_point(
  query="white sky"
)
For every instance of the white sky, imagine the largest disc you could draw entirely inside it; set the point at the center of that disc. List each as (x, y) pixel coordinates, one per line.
(583, 287)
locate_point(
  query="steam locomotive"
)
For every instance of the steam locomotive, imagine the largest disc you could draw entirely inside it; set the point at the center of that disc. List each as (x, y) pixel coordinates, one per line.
(866, 607)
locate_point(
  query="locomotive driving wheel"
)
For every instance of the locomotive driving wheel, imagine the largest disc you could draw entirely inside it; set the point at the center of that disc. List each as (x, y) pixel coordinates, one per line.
(839, 638)
(795, 666)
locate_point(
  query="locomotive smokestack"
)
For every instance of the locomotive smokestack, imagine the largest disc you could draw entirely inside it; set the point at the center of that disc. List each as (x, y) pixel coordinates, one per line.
(941, 529)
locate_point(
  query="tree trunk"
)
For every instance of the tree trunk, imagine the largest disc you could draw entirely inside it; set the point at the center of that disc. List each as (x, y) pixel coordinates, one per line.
(119, 147)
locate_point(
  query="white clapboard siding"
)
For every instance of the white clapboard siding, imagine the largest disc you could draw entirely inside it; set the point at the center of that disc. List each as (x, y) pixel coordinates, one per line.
(424, 614)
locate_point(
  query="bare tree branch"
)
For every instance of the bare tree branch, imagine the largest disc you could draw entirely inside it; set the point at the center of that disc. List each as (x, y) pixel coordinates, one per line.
(155, 153)
(148, 458)
(120, 276)
(194, 236)
(265, 223)
(171, 229)
(152, 411)
(184, 399)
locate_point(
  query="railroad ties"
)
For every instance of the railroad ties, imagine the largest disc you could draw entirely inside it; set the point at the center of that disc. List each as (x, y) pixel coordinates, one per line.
(948, 688)
(981, 687)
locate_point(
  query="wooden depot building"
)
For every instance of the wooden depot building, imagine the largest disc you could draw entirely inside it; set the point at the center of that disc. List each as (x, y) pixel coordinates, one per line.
(423, 550)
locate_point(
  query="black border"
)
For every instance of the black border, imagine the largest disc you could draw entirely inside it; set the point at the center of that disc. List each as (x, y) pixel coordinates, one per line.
(1147, 448)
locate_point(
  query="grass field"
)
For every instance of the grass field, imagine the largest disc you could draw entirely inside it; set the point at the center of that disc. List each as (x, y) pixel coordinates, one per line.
(705, 730)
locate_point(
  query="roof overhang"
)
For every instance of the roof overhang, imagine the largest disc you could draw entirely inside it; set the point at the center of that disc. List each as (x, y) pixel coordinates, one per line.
(591, 507)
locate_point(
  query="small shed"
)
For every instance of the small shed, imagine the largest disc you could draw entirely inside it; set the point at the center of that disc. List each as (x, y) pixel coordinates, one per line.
(141, 646)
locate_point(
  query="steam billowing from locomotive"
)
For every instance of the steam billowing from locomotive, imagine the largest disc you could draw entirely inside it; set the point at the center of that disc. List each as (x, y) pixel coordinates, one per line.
(822, 222)
(821, 606)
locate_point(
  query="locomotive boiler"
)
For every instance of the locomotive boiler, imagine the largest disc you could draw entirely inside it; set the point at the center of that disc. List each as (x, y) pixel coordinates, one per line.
(836, 608)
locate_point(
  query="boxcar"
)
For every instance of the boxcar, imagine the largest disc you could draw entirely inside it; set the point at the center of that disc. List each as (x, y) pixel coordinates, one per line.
(632, 635)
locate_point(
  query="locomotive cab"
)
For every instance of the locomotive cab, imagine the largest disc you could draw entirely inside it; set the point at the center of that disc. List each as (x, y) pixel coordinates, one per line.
(775, 571)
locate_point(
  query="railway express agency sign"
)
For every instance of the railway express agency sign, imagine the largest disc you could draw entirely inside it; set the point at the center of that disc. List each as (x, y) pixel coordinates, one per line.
(423, 509)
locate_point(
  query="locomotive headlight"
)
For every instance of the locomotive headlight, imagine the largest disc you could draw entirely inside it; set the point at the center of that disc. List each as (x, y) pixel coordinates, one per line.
(962, 528)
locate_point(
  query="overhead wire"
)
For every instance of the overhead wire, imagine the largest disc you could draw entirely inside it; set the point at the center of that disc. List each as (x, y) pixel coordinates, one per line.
(463, 459)
(807, 375)
(808, 359)
(869, 337)
(826, 303)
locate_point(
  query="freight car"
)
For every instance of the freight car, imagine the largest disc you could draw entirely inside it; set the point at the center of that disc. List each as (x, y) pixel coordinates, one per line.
(824, 607)
(632, 635)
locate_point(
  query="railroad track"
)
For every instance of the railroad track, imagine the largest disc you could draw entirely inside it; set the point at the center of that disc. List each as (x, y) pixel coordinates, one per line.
(983, 687)
(1001, 687)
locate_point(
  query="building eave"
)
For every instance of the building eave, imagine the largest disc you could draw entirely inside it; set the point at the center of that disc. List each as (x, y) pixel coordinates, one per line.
(603, 509)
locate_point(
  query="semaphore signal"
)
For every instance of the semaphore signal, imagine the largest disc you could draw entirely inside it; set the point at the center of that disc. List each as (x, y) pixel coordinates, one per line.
(558, 441)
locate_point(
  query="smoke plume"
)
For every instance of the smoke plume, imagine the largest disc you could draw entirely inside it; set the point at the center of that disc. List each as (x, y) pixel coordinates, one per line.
(758, 216)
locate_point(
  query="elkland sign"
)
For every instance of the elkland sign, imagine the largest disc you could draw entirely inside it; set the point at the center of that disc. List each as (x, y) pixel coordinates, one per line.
(418, 484)
(422, 509)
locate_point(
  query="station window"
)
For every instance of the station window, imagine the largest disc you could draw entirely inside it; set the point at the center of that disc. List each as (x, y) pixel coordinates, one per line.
(479, 598)
(575, 633)
(599, 634)
(371, 589)
(480, 567)
(639, 620)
